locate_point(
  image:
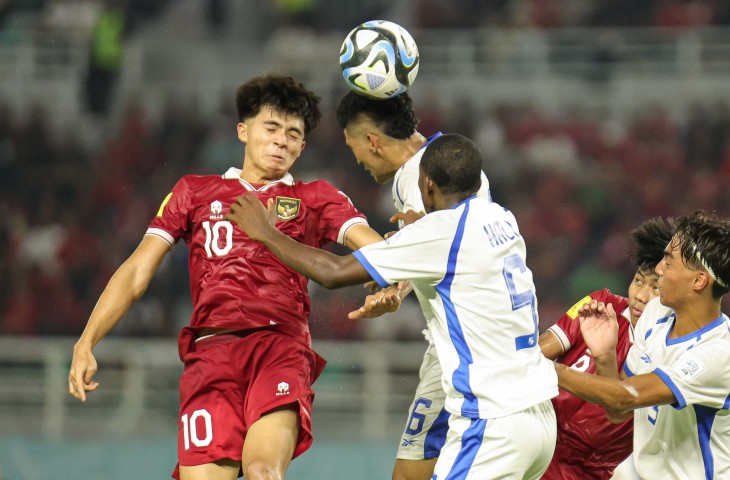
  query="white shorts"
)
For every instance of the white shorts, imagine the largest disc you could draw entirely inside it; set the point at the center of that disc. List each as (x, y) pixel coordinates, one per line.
(428, 421)
(518, 446)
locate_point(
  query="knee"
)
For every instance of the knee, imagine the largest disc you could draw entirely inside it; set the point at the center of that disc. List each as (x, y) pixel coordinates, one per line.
(260, 470)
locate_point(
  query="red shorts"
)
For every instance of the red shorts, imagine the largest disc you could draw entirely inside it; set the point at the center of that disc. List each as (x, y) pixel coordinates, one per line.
(231, 380)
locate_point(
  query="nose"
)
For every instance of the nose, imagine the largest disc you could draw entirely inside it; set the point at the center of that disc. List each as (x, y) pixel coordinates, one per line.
(280, 140)
(659, 269)
(644, 293)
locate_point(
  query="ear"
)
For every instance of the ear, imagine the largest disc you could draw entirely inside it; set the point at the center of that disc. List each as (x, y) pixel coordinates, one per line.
(701, 280)
(242, 130)
(304, 144)
(373, 141)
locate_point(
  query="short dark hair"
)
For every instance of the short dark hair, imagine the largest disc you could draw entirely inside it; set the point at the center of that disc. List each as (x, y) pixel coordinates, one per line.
(650, 239)
(393, 116)
(705, 245)
(282, 93)
(454, 163)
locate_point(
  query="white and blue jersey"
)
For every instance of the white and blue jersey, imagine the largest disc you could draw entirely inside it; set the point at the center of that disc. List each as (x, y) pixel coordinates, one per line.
(690, 438)
(407, 195)
(467, 267)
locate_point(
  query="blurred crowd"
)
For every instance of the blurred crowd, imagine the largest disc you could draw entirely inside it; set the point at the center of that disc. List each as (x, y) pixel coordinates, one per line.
(577, 181)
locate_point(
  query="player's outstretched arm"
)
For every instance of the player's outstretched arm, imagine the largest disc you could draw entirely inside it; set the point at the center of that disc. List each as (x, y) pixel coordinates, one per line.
(618, 398)
(126, 285)
(325, 268)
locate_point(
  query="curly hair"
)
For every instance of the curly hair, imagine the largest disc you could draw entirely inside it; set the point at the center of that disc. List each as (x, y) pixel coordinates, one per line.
(650, 239)
(282, 93)
(454, 163)
(393, 116)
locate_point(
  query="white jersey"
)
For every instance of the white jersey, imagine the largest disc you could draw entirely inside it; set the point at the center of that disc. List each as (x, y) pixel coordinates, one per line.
(690, 438)
(467, 267)
(407, 195)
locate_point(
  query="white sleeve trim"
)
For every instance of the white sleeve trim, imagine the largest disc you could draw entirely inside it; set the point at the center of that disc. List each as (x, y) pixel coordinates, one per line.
(562, 337)
(345, 226)
(158, 232)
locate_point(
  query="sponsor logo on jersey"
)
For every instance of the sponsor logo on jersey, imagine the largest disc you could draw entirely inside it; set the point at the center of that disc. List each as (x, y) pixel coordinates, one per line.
(283, 388)
(216, 210)
(287, 208)
(575, 309)
(408, 443)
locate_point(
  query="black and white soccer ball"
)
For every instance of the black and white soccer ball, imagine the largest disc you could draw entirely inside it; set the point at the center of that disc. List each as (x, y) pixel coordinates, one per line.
(379, 59)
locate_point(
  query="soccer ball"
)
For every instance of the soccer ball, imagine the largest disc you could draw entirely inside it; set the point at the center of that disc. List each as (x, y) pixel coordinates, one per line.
(379, 59)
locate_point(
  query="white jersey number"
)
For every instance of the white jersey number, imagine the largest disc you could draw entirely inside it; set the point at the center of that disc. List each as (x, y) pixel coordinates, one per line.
(213, 237)
(190, 429)
(515, 263)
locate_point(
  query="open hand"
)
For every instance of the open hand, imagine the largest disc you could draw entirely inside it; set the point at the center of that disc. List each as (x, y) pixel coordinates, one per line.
(385, 301)
(599, 327)
(250, 215)
(407, 217)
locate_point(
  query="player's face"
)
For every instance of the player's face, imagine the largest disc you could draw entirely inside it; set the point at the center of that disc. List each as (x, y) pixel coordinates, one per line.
(675, 278)
(643, 288)
(274, 140)
(366, 154)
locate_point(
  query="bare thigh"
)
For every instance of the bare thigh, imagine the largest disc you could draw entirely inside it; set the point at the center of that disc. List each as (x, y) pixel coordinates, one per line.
(413, 469)
(224, 469)
(270, 444)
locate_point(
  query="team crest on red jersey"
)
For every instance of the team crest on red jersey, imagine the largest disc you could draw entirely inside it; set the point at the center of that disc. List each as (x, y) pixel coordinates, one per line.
(287, 208)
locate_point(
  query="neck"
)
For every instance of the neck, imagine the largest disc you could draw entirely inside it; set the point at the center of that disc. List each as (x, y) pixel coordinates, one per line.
(258, 177)
(408, 147)
(444, 201)
(692, 317)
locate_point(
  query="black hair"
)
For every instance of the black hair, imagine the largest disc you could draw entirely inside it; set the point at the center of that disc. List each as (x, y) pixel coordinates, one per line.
(454, 163)
(705, 245)
(282, 93)
(650, 239)
(393, 116)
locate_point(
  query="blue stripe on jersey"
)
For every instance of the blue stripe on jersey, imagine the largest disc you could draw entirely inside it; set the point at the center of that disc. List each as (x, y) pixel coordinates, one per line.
(628, 371)
(460, 377)
(705, 418)
(681, 402)
(370, 269)
(697, 334)
(727, 403)
(436, 436)
(658, 322)
(471, 440)
(428, 141)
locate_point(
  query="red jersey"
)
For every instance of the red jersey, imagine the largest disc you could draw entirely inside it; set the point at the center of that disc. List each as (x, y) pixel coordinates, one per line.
(236, 282)
(588, 445)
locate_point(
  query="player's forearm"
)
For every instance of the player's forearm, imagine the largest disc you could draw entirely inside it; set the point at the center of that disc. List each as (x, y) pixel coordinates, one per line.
(612, 394)
(116, 299)
(607, 366)
(325, 268)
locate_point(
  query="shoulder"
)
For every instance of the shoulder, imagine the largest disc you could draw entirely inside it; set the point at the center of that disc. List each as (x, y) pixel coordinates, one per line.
(200, 181)
(619, 303)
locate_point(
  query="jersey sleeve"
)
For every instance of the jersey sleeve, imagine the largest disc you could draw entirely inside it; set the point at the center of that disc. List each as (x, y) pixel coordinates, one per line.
(418, 252)
(700, 376)
(336, 213)
(171, 221)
